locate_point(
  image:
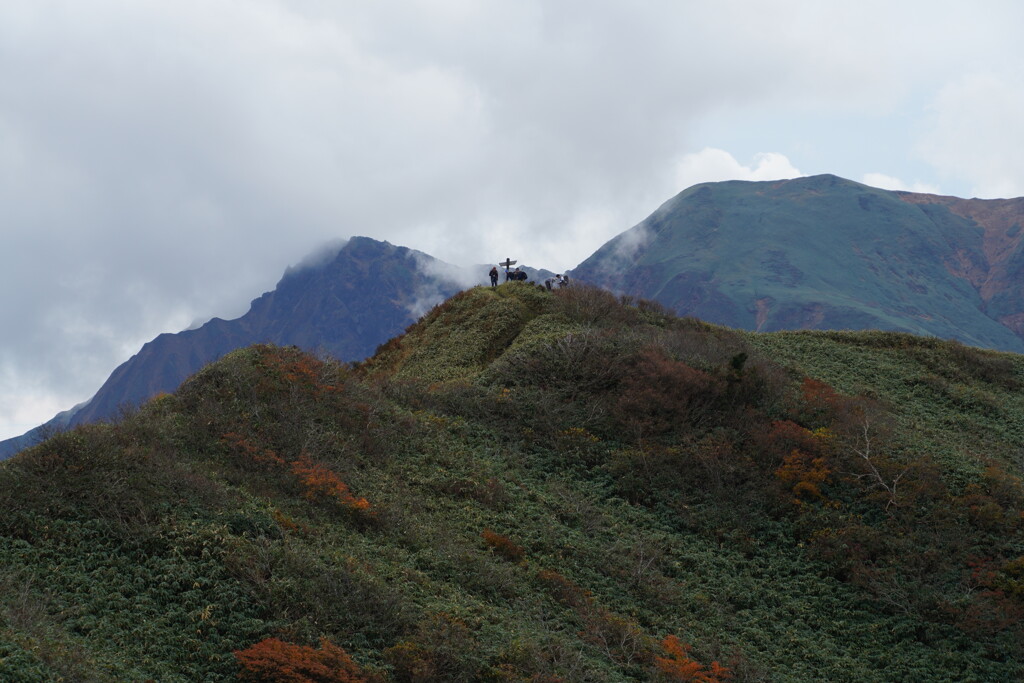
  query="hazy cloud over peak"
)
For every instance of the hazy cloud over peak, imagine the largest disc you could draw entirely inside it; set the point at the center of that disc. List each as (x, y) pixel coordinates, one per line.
(711, 165)
(162, 162)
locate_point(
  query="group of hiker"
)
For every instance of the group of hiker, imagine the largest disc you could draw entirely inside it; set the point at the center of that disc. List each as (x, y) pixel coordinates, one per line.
(519, 275)
(516, 275)
(556, 281)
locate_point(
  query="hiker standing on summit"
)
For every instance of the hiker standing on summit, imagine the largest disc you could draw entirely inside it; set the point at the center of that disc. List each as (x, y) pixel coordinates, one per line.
(494, 276)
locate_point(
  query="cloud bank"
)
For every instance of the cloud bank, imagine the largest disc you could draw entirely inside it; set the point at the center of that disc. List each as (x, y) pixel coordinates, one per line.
(887, 182)
(973, 122)
(163, 162)
(712, 165)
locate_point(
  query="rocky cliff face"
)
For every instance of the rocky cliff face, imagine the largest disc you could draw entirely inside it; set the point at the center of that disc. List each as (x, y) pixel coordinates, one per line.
(828, 253)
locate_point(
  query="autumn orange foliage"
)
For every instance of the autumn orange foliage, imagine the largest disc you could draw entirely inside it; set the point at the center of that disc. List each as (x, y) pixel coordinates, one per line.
(678, 666)
(805, 473)
(299, 370)
(803, 457)
(320, 481)
(249, 452)
(822, 399)
(316, 479)
(273, 660)
(504, 546)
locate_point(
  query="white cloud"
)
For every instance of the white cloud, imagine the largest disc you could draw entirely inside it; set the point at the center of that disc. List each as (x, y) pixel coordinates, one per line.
(887, 182)
(442, 275)
(975, 133)
(25, 403)
(713, 165)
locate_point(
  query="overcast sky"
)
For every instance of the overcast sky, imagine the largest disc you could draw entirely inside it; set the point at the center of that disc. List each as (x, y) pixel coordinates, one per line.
(163, 161)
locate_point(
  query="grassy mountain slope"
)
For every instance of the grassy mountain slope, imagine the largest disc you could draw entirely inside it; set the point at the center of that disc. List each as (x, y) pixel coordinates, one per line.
(826, 253)
(534, 486)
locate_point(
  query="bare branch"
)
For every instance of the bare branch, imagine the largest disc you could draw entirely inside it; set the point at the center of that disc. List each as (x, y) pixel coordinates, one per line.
(862, 448)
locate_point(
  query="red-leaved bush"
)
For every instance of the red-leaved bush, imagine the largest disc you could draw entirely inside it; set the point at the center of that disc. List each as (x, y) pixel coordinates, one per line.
(275, 661)
(678, 666)
(660, 395)
(319, 481)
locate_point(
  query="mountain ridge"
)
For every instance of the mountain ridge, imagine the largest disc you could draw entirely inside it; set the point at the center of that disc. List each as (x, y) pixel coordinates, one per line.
(817, 252)
(344, 305)
(536, 486)
(822, 252)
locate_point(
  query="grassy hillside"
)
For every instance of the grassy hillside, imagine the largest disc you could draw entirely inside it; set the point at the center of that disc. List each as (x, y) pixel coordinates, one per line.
(534, 486)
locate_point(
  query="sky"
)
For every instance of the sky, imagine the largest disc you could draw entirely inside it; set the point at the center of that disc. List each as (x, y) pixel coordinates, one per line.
(163, 161)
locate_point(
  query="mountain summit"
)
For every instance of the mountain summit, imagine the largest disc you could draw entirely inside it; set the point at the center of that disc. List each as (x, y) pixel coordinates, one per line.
(343, 303)
(822, 252)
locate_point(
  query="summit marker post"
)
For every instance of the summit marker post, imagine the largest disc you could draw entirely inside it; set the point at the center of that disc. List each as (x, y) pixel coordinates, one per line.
(507, 263)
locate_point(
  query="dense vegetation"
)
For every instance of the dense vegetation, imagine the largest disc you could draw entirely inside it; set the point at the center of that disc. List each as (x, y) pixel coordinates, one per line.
(534, 486)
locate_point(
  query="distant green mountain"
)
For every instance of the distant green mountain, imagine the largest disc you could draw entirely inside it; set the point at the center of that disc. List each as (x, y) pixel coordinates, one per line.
(827, 253)
(535, 486)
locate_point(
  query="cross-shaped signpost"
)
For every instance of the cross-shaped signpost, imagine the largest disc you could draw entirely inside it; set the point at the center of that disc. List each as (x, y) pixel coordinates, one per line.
(507, 263)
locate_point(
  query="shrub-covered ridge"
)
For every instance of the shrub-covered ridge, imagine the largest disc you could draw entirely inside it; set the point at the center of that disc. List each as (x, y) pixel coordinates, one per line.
(533, 486)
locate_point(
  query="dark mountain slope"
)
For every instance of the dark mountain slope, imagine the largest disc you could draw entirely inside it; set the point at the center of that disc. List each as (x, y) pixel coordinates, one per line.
(533, 486)
(826, 253)
(344, 306)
